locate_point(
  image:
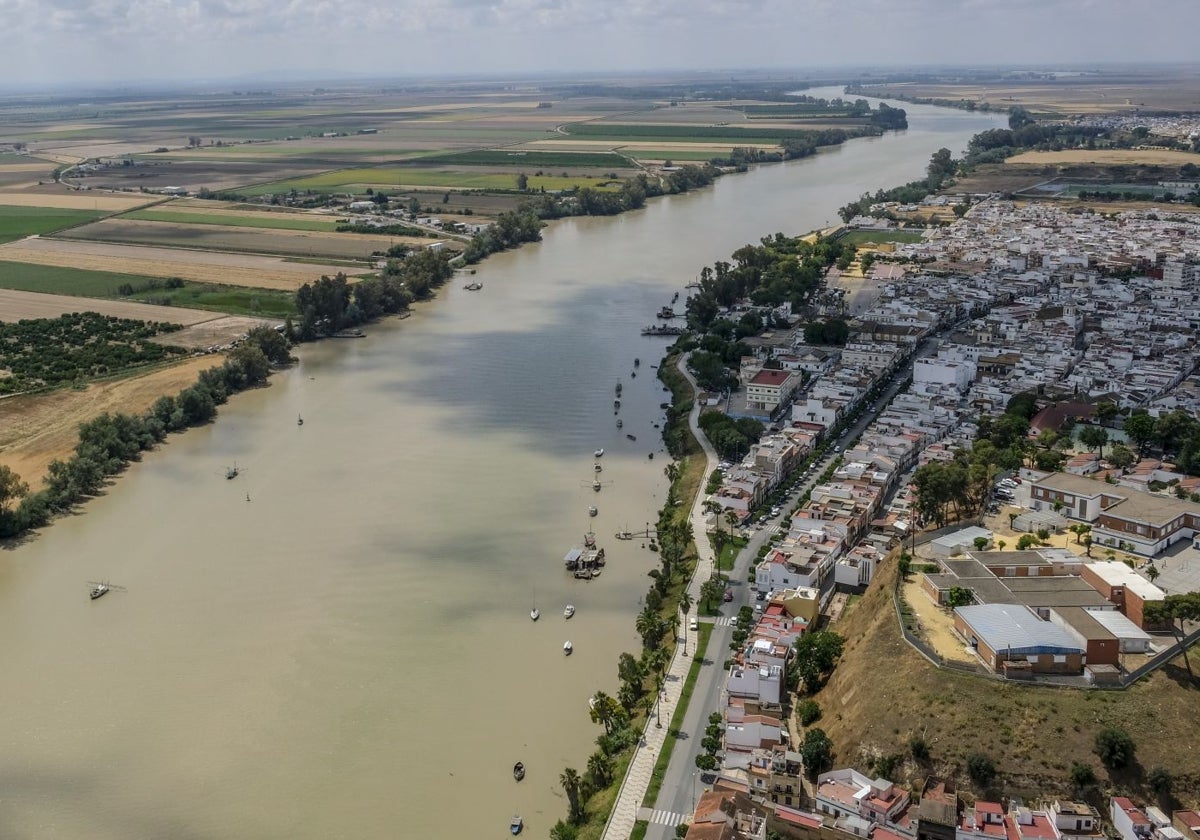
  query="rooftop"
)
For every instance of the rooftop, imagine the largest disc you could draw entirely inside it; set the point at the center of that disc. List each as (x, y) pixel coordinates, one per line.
(1118, 574)
(1014, 629)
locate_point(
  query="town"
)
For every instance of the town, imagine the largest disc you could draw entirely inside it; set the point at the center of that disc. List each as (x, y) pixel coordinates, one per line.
(1069, 558)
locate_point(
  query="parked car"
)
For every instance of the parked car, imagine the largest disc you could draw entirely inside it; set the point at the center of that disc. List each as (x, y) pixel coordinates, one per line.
(694, 624)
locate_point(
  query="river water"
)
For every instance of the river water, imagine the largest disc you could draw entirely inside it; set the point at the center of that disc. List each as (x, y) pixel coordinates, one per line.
(337, 642)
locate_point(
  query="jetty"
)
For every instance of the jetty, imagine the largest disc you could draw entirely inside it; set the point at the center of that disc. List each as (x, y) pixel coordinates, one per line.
(654, 329)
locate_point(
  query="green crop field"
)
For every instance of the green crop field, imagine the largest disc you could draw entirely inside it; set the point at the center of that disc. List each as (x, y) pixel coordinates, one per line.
(105, 284)
(519, 157)
(18, 222)
(676, 155)
(284, 221)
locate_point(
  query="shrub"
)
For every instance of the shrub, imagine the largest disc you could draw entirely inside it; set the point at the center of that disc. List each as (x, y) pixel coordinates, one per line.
(1160, 781)
(919, 747)
(981, 769)
(809, 711)
(1115, 747)
(1082, 775)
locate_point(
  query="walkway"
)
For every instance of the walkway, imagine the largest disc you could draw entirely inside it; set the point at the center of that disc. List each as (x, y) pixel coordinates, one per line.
(628, 806)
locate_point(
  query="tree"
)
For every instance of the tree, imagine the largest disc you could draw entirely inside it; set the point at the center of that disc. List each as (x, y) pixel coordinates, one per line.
(816, 654)
(522, 181)
(1139, 428)
(629, 671)
(650, 627)
(1174, 610)
(685, 606)
(1026, 542)
(808, 711)
(919, 748)
(1121, 456)
(905, 565)
(958, 597)
(606, 711)
(563, 831)
(1106, 411)
(816, 751)
(1094, 437)
(1115, 747)
(981, 543)
(1151, 572)
(1160, 781)
(599, 769)
(1082, 776)
(981, 769)
(706, 762)
(572, 786)
(11, 489)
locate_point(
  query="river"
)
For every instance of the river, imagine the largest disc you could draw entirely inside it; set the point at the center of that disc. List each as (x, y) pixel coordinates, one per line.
(337, 642)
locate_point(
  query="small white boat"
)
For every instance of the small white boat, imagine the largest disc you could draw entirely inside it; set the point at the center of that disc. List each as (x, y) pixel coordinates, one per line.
(593, 510)
(535, 614)
(516, 825)
(567, 648)
(596, 467)
(568, 612)
(599, 453)
(596, 485)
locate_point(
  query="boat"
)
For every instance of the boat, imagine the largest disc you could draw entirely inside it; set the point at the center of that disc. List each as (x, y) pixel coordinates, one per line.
(589, 539)
(637, 362)
(473, 286)
(568, 647)
(624, 535)
(666, 312)
(651, 456)
(583, 574)
(616, 403)
(299, 420)
(597, 467)
(519, 770)
(599, 453)
(232, 472)
(596, 485)
(618, 389)
(535, 614)
(569, 611)
(97, 590)
(516, 825)
(633, 374)
(619, 423)
(631, 437)
(593, 510)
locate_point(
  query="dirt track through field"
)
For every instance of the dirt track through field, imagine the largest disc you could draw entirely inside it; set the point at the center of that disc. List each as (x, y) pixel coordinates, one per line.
(16, 305)
(248, 270)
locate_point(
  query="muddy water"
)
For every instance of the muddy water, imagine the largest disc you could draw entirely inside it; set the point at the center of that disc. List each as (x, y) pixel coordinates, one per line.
(348, 652)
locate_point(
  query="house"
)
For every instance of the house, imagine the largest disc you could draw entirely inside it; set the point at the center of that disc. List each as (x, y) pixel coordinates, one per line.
(959, 542)
(728, 815)
(848, 793)
(768, 389)
(983, 822)
(1075, 819)
(1012, 640)
(1129, 820)
(937, 813)
(760, 682)
(1187, 823)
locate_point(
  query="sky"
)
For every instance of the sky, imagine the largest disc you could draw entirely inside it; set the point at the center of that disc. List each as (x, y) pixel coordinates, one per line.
(89, 42)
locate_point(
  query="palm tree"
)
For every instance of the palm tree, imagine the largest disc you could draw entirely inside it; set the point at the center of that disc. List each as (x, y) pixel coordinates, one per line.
(649, 627)
(1152, 572)
(600, 769)
(571, 785)
(602, 711)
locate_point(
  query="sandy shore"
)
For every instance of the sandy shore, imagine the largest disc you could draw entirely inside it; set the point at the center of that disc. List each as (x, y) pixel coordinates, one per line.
(35, 429)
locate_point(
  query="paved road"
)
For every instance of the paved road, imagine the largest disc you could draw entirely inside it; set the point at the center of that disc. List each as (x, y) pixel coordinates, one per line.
(683, 784)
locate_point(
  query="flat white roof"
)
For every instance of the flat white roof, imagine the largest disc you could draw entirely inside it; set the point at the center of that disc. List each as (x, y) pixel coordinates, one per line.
(966, 535)
(1117, 624)
(1115, 573)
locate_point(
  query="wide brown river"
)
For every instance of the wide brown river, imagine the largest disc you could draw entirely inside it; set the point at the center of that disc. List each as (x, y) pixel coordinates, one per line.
(348, 653)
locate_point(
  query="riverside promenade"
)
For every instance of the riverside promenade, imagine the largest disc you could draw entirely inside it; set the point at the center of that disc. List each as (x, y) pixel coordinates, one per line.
(637, 778)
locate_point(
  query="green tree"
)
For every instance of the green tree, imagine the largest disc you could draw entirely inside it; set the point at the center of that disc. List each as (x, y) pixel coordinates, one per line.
(1106, 411)
(919, 748)
(629, 671)
(1114, 747)
(958, 597)
(522, 181)
(1175, 610)
(816, 751)
(1160, 781)
(1094, 437)
(12, 488)
(599, 770)
(1018, 117)
(1082, 776)
(1139, 428)
(816, 655)
(1121, 456)
(706, 762)
(808, 711)
(981, 769)
(981, 543)
(563, 831)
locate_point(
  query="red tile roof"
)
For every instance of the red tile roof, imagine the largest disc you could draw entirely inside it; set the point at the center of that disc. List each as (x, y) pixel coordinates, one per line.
(773, 378)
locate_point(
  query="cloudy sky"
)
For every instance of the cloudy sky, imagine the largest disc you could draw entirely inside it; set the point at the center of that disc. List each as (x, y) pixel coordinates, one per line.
(49, 42)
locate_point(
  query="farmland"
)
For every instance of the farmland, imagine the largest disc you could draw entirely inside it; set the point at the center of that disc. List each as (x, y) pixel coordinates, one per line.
(231, 238)
(101, 284)
(19, 222)
(1125, 157)
(16, 305)
(521, 157)
(279, 221)
(357, 181)
(251, 270)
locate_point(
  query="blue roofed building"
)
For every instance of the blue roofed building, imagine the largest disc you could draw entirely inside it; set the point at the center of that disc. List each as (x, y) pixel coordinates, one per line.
(1012, 640)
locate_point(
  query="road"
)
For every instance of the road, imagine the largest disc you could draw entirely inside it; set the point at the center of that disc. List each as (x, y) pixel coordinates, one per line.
(683, 783)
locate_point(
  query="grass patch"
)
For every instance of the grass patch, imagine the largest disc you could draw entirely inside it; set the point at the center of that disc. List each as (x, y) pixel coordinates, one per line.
(520, 157)
(285, 221)
(664, 755)
(729, 553)
(78, 282)
(19, 222)
(639, 830)
(861, 237)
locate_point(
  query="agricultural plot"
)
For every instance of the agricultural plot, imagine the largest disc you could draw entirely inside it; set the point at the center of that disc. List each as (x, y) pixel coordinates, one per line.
(75, 200)
(1112, 157)
(134, 288)
(19, 222)
(248, 270)
(211, 237)
(16, 306)
(700, 133)
(234, 218)
(528, 157)
(358, 181)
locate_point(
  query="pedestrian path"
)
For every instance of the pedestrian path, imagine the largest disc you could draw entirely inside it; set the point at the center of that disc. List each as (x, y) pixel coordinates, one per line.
(628, 807)
(661, 817)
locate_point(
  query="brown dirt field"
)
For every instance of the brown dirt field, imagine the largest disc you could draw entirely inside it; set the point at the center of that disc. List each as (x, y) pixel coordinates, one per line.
(1148, 157)
(1097, 95)
(200, 266)
(77, 200)
(26, 166)
(301, 243)
(15, 305)
(220, 330)
(883, 692)
(36, 429)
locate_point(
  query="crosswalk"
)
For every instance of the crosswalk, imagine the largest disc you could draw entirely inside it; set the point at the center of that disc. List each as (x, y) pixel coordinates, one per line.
(723, 621)
(668, 818)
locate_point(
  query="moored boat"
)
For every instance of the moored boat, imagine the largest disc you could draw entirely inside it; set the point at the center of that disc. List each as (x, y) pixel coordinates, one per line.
(599, 453)
(631, 437)
(597, 468)
(637, 362)
(569, 611)
(568, 648)
(619, 423)
(624, 535)
(97, 590)
(519, 770)
(593, 510)
(535, 614)
(516, 825)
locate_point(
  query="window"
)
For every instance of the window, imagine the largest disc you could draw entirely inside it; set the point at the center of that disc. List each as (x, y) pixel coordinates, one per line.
(1061, 659)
